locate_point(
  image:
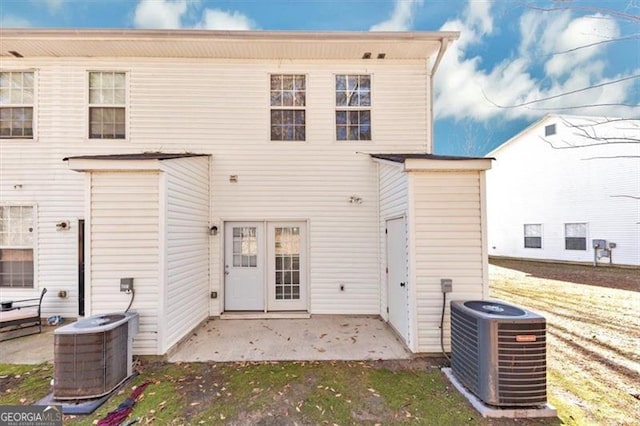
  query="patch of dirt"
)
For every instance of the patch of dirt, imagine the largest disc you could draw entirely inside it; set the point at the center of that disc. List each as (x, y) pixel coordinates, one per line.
(601, 276)
(593, 332)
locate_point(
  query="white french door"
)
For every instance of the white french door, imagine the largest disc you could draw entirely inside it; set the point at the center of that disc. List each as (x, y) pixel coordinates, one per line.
(287, 266)
(244, 266)
(265, 272)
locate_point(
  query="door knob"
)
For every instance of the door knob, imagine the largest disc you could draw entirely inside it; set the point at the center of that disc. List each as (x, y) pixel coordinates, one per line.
(403, 284)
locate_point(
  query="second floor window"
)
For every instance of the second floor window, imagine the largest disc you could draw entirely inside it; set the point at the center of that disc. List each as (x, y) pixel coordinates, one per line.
(107, 105)
(353, 107)
(288, 100)
(16, 104)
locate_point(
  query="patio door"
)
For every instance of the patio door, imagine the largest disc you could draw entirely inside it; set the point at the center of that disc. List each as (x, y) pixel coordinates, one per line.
(397, 282)
(286, 254)
(244, 266)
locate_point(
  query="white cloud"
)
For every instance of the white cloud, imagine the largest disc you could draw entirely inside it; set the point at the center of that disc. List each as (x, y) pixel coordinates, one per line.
(468, 89)
(162, 14)
(54, 5)
(171, 14)
(401, 18)
(215, 19)
(11, 21)
(588, 30)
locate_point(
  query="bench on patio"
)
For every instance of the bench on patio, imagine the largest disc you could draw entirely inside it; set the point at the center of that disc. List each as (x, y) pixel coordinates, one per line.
(20, 317)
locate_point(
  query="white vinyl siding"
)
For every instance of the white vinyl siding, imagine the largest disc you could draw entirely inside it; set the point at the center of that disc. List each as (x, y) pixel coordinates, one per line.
(208, 114)
(125, 242)
(593, 185)
(187, 256)
(393, 204)
(448, 243)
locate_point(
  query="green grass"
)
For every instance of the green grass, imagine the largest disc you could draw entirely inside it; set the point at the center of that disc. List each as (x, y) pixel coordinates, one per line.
(343, 393)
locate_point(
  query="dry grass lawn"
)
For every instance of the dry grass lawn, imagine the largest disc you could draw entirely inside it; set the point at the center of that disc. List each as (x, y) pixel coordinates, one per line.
(593, 322)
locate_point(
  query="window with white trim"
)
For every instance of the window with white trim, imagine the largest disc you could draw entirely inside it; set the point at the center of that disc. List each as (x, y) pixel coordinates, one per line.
(107, 105)
(288, 100)
(575, 236)
(16, 104)
(353, 107)
(16, 246)
(533, 235)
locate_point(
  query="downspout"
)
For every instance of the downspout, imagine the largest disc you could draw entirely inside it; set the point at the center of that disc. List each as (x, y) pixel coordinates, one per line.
(444, 44)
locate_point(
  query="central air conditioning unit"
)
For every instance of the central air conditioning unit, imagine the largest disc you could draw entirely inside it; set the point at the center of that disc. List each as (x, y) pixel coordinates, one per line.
(498, 352)
(93, 356)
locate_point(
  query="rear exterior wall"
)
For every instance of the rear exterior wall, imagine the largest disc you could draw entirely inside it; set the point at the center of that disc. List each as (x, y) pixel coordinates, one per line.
(221, 107)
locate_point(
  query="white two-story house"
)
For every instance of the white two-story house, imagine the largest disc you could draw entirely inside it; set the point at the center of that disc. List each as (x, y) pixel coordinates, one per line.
(233, 173)
(567, 189)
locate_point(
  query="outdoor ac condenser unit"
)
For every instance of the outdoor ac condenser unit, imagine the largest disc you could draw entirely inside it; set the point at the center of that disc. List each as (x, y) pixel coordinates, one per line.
(498, 352)
(93, 356)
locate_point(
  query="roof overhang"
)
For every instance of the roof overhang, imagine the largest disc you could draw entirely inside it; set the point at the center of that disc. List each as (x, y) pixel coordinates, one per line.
(432, 162)
(29, 43)
(123, 162)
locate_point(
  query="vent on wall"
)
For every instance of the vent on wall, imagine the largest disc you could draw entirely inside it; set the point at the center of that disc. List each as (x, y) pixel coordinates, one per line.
(550, 130)
(498, 352)
(93, 356)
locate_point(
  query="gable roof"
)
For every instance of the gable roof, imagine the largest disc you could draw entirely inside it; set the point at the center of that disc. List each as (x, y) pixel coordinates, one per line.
(562, 117)
(221, 44)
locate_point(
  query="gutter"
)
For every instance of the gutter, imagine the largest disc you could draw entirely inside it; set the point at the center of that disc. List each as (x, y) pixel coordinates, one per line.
(444, 44)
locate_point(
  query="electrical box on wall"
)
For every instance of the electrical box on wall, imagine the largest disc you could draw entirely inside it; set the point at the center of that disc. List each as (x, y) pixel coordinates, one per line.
(126, 284)
(599, 244)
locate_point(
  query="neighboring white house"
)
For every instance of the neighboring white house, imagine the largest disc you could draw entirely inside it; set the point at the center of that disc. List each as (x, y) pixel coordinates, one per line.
(563, 183)
(233, 173)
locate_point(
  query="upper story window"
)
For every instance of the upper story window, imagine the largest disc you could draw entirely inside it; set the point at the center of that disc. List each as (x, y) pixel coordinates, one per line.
(575, 236)
(533, 235)
(16, 104)
(288, 100)
(16, 246)
(107, 105)
(353, 107)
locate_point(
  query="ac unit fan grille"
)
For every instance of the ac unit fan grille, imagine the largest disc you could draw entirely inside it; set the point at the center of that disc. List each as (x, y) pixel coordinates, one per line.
(522, 368)
(464, 349)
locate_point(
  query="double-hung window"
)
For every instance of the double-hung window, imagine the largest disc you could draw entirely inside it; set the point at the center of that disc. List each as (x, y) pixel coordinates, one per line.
(16, 246)
(16, 104)
(533, 235)
(353, 107)
(575, 236)
(288, 100)
(107, 105)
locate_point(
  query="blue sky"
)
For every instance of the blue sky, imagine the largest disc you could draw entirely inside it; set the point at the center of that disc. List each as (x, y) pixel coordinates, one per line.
(510, 52)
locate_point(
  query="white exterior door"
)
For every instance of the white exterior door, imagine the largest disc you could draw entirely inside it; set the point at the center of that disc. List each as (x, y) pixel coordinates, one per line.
(287, 260)
(244, 266)
(397, 285)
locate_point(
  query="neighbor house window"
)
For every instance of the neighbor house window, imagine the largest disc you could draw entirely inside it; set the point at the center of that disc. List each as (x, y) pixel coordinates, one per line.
(107, 105)
(16, 104)
(16, 246)
(575, 236)
(533, 236)
(353, 107)
(288, 100)
(550, 130)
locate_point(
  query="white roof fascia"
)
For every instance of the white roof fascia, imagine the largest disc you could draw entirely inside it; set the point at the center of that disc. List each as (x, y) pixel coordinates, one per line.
(421, 164)
(89, 165)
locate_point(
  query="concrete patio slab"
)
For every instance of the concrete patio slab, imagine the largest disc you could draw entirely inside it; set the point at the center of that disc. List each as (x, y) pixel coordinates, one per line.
(32, 349)
(322, 337)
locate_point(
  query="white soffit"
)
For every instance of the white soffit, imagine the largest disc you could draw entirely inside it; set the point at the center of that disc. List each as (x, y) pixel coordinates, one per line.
(30, 43)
